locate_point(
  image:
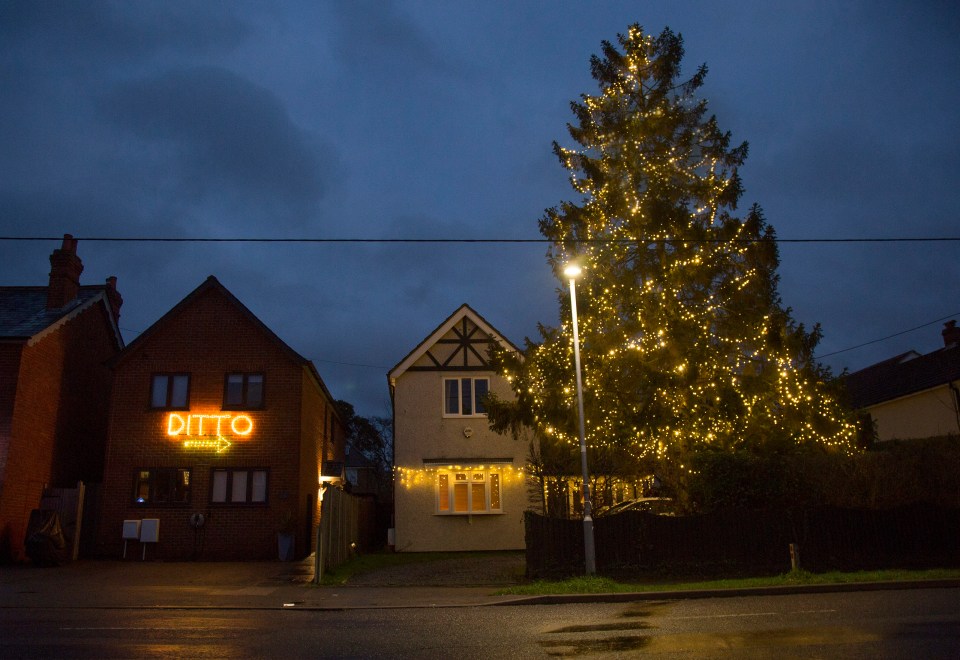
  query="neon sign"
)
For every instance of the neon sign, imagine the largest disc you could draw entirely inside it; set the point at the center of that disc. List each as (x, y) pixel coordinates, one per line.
(208, 431)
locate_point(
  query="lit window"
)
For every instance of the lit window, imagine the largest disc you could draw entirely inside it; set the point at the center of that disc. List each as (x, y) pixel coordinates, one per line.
(170, 391)
(243, 391)
(463, 397)
(468, 492)
(162, 486)
(233, 486)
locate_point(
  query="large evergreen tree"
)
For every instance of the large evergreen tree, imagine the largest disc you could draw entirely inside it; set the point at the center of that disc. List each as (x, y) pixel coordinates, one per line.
(685, 342)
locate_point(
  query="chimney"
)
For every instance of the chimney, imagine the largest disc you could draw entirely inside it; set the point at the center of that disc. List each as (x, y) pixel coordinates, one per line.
(116, 300)
(951, 334)
(65, 269)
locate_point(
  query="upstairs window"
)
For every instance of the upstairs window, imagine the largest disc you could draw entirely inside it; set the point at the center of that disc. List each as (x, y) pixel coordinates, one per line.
(463, 397)
(243, 391)
(170, 391)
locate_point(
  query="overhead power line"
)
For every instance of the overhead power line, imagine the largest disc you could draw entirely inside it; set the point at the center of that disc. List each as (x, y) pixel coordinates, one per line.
(896, 334)
(679, 239)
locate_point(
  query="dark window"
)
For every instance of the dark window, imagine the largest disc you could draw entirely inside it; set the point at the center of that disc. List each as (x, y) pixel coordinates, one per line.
(162, 486)
(243, 391)
(238, 486)
(464, 396)
(170, 391)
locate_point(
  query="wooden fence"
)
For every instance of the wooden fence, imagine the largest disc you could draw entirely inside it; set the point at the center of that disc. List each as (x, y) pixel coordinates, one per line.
(736, 542)
(340, 529)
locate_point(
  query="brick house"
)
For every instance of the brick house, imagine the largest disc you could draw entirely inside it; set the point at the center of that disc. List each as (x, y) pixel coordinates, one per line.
(458, 485)
(218, 430)
(55, 341)
(911, 395)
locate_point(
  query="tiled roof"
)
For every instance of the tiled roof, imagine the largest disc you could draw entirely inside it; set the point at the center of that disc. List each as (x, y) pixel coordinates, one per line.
(24, 313)
(902, 375)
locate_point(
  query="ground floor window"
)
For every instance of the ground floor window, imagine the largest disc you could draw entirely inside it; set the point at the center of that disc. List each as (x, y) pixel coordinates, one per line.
(238, 486)
(162, 486)
(468, 492)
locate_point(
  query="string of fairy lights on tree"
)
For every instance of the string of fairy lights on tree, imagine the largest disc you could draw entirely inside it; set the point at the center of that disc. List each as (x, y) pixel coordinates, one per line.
(685, 342)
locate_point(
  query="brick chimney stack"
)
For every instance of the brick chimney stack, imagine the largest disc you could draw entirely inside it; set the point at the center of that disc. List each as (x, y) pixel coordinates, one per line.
(65, 269)
(951, 334)
(116, 300)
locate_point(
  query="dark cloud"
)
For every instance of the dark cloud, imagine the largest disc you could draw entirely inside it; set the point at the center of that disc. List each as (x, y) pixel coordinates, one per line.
(383, 41)
(79, 34)
(226, 132)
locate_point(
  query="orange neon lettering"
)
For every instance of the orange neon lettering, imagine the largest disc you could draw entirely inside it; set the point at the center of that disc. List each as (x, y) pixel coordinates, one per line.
(199, 426)
(243, 419)
(175, 424)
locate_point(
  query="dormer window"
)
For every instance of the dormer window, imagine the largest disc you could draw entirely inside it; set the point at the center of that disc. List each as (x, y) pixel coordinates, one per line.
(463, 397)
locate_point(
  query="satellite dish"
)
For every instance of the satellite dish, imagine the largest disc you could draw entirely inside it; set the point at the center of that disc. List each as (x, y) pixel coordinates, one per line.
(197, 520)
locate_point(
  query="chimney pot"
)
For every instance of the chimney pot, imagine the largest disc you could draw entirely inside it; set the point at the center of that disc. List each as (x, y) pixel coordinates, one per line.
(951, 334)
(116, 300)
(65, 269)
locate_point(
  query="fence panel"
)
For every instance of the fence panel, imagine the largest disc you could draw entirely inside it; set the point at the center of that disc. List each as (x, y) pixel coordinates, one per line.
(339, 530)
(736, 541)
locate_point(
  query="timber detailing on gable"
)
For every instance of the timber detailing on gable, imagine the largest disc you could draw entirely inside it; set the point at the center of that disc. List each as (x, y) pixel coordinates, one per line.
(463, 348)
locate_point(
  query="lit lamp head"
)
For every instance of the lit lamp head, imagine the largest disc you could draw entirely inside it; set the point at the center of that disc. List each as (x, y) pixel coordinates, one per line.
(572, 271)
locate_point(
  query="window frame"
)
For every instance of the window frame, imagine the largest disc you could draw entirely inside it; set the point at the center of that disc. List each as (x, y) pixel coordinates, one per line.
(229, 486)
(170, 377)
(156, 475)
(244, 403)
(475, 401)
(491, 480)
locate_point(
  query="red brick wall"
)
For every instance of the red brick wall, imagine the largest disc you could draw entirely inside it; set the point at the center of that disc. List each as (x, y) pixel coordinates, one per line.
(207, 338)
(57, 430)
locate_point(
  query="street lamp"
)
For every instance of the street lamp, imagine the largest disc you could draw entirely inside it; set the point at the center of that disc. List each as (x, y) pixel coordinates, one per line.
(589, 551)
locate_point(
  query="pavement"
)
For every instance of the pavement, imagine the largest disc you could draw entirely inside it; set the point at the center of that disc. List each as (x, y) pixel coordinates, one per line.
(456, 582)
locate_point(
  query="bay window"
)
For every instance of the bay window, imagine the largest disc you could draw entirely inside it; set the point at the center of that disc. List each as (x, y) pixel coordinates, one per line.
(464, 492)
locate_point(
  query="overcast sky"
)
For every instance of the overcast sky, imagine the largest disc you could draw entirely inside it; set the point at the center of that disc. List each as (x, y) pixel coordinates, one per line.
(434, 119)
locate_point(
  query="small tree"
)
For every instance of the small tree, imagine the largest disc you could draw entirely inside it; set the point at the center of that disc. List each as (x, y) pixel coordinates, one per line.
(372, 437)
(685, 342)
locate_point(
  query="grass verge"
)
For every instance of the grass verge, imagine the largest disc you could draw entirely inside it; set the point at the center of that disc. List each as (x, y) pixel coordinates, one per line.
(379, 560)
(599, 584)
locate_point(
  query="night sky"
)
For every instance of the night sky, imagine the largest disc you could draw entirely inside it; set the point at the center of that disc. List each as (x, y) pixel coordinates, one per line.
(434, 119)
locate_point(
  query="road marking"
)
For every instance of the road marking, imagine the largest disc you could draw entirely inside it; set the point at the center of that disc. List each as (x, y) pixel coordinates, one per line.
(726, 616)
(749, 614)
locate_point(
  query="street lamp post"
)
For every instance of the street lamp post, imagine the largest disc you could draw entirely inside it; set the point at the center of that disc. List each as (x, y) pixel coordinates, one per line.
(589, 550)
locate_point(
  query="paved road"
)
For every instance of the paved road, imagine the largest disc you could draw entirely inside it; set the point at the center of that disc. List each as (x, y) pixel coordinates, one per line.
(923, 623)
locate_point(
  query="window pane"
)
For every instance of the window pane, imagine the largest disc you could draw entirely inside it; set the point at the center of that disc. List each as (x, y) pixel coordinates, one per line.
(495, 492)
(259, 492)
(219, 486)
(466, 397)
(158, 392)
(142, 493)
(443, 491)
(178, 397)
(255, 390)
(480, 386)
(460, 495)
(478, 502)
(163, 485)
(181, 492)
(239, 491)
(234, 394)
(452, 397)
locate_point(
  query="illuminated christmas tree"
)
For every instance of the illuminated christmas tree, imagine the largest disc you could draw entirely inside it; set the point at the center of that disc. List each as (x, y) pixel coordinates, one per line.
(685, 343)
